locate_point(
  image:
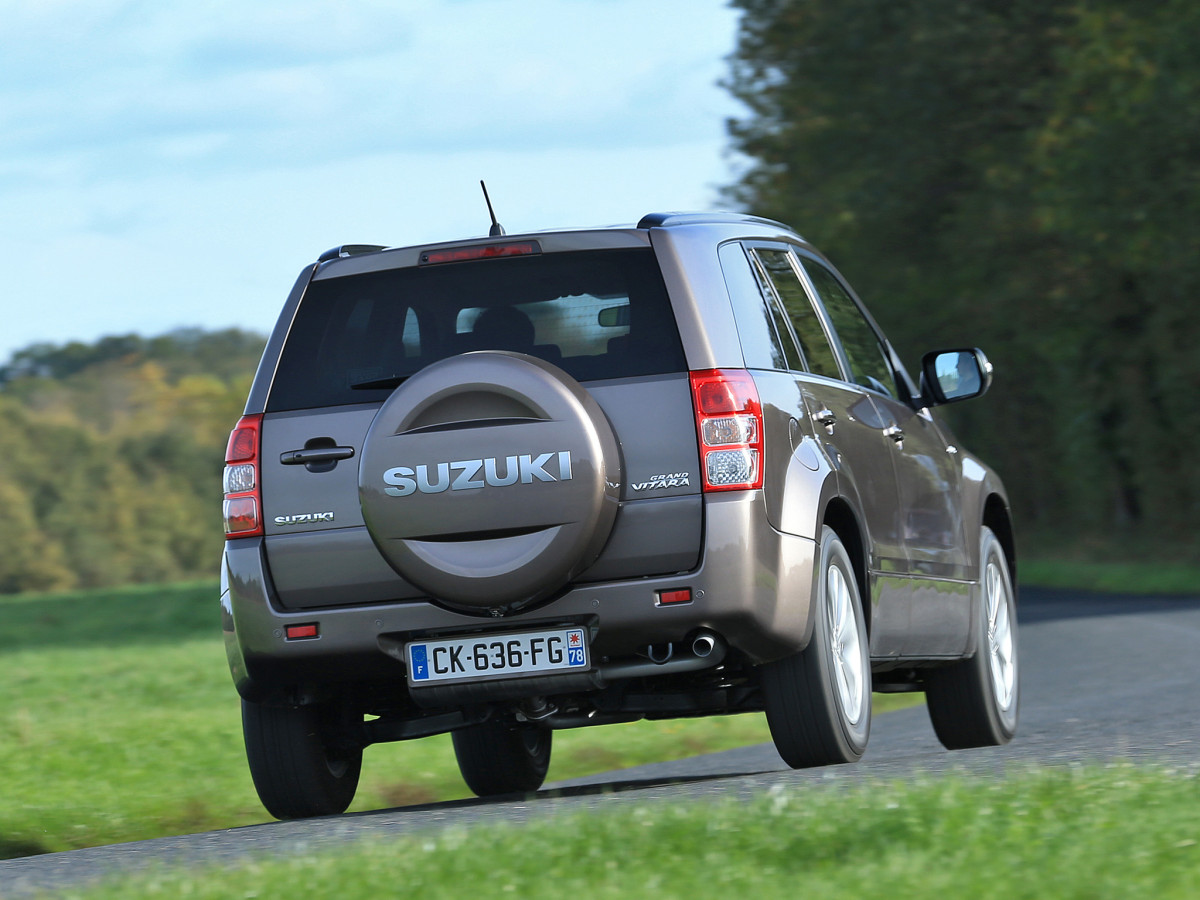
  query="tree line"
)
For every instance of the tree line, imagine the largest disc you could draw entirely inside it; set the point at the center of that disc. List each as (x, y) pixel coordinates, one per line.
(111, 456)
(1021, 175)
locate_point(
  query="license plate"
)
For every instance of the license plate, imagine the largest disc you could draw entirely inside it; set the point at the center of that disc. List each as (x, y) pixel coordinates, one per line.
(496, 656)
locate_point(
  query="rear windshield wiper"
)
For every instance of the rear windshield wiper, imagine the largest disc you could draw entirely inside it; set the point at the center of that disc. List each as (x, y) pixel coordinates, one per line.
(378, 383)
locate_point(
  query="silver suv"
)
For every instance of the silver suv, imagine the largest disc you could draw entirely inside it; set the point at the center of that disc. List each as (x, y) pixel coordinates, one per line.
(503, 486)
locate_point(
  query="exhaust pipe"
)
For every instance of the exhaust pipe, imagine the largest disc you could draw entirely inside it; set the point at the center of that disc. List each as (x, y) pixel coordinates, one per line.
(708, 650)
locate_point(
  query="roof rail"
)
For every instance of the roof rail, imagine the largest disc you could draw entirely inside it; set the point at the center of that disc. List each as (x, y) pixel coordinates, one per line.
(668, 219)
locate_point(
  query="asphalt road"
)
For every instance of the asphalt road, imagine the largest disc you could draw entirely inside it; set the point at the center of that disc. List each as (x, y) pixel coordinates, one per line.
(1103, 678)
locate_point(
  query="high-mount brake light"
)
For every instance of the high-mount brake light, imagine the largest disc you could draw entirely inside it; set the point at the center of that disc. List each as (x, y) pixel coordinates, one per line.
(479, 251)
(243, 495)
(729, 424)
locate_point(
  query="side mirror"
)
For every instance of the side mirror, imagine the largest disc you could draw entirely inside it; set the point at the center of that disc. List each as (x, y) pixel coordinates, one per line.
(951, 375)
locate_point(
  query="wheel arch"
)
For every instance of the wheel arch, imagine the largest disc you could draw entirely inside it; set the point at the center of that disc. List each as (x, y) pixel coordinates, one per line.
(996, 516)
(840, 516)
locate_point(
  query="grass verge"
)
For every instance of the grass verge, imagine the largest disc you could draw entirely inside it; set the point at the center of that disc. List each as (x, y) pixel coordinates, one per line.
(1119, 832)
(1112, 577)
(118, 722)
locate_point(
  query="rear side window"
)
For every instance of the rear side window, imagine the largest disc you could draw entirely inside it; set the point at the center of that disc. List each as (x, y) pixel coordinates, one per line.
(762, 347)
(596, 314)
(818, 353)
(868, 360)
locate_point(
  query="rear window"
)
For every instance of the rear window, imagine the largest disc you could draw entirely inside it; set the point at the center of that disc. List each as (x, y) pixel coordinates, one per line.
(595, 314)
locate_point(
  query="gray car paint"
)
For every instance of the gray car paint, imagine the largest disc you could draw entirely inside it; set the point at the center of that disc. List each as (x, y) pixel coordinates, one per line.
(748, 556)
(336, 563)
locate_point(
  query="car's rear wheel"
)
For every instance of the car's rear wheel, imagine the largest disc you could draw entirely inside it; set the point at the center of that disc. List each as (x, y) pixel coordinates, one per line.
(974, 702)
(502, 757)
(297, 770)
(818, 701)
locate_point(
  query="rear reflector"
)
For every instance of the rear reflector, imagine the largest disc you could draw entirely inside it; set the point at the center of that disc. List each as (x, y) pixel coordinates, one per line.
(666, 598)
(485, 251)
(729, 424)
(299, 632)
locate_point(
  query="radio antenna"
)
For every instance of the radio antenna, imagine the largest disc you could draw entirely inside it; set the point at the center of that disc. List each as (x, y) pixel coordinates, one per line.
(497, 229)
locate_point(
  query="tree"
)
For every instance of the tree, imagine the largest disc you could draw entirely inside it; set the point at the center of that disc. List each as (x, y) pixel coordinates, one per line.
(1118, 164)
(111, 457)
(1014, 174)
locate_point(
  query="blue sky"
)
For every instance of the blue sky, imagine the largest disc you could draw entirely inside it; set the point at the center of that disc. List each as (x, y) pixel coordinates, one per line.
(173, 164)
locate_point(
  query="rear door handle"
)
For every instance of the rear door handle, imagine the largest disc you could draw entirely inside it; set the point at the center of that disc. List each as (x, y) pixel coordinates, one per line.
(895, 432)
(315, 455)
(825, 417)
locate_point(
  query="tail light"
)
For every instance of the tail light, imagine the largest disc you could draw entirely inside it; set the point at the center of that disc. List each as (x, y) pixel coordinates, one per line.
(729, 423)
(243, 496)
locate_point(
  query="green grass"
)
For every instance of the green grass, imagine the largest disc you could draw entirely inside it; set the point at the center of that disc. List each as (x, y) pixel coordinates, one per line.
(118, 722)
(1112, 576)
(115, 721)
(1120, 832)
(1124, 563)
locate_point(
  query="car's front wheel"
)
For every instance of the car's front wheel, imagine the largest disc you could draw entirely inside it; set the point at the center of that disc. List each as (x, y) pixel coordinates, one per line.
(974, 702)
(818, 701)
(503, 758)
(296, 766)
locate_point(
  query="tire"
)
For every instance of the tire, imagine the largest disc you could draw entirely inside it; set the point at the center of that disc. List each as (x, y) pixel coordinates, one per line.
(818, 701)
(974, 703)
(295, 771)
(503, 758)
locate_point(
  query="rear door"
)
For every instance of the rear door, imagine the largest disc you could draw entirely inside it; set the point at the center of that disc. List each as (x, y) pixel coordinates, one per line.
(843, 416)
(926, 473)
(602, 316)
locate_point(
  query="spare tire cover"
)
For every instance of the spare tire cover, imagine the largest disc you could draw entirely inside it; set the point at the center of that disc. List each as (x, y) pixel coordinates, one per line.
(489, 480)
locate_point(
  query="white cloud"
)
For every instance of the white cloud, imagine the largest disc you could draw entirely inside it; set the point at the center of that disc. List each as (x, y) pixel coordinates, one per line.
(228, 247)
(167, 164)
(255, 83)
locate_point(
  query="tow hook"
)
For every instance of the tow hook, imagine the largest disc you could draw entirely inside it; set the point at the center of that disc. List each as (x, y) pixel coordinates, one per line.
(660, 655)
(535, 709)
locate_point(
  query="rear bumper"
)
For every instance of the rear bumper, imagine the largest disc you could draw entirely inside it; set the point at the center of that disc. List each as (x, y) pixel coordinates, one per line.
(752, 588)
